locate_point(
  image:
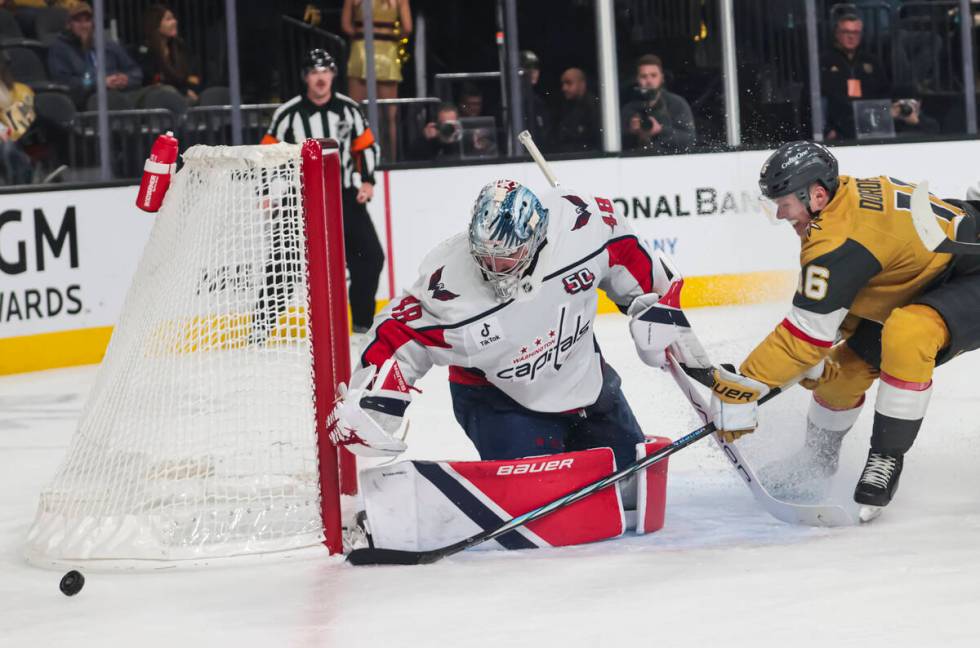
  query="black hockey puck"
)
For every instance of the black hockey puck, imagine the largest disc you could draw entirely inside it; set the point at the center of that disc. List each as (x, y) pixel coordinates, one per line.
(72, 583)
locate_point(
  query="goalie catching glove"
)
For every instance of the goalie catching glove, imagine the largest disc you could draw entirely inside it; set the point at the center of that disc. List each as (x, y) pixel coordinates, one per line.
(734, 403)
(371, 412)
(652, 329)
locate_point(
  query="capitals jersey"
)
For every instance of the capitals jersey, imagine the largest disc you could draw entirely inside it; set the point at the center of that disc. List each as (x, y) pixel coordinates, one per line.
(860, 260)
(538, 347)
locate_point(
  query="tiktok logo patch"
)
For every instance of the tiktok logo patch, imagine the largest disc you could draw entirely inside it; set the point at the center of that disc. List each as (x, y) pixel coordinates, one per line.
(486, 333)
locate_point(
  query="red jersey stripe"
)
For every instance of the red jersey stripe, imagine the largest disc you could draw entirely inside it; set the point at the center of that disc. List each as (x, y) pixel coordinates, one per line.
(802, 335)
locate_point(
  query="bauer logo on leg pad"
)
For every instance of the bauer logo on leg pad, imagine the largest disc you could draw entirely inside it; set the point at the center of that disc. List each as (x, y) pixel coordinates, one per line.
(544, 465)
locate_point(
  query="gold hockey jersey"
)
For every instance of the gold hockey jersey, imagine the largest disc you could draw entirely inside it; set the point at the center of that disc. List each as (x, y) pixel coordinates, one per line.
(860, 260)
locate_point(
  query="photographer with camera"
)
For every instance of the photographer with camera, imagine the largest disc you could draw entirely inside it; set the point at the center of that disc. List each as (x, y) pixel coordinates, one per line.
(658, 121)
(441, 138)
(910, 120)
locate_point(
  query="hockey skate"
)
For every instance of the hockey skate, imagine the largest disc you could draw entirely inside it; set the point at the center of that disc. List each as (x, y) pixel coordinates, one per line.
(878, 483)
(356, 533)
(805, 474)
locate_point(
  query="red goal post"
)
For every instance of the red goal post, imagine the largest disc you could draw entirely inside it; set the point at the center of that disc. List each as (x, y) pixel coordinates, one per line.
(323, 207)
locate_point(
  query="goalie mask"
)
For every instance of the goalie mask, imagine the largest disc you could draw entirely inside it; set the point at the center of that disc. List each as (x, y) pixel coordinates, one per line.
(506, 231)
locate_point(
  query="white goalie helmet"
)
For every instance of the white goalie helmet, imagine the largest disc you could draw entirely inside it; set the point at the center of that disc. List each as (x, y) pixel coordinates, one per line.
(507, 229)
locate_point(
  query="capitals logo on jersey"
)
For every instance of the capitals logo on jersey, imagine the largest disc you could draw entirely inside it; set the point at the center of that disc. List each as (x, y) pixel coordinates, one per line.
(437, 288)
(583, 214)
(548, 351)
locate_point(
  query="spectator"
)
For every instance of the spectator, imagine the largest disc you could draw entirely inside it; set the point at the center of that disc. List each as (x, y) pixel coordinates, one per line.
(392, 24)
(441, 138)
(71, 58)
(16, 117)
(164, 56)
(535, 109)
(470, 101)
(658, 121)
(578, 127)
(847, 74)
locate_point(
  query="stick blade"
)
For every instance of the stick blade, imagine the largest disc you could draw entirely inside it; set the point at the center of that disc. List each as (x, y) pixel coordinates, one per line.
(371, 556)
(815, 515)
(924, 221)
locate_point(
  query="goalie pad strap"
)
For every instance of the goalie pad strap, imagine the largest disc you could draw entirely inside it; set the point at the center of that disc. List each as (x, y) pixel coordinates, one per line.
(385, 405)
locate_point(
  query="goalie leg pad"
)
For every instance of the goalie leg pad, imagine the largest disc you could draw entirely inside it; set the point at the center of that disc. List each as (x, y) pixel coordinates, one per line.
(424, 505)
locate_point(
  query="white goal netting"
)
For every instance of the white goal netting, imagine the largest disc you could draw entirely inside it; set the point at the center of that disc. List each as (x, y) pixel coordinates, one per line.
(198, 439)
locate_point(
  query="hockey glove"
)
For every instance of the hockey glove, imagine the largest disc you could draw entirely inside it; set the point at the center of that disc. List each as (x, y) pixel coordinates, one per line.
(824, 371)
(734, 403)
(652, 332)
(371, 412)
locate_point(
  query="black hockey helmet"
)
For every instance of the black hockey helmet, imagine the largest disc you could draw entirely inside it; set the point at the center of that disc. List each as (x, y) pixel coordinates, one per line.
(794, 166)
(318, 59)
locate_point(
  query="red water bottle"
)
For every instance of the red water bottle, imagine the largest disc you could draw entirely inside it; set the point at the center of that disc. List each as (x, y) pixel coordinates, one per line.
(157, 172)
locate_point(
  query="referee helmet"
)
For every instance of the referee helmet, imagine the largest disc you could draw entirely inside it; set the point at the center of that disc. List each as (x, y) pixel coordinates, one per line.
(318, 59)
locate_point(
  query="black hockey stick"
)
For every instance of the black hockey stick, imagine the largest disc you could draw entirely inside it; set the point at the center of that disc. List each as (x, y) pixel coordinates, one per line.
(932, 235)
(371, 556)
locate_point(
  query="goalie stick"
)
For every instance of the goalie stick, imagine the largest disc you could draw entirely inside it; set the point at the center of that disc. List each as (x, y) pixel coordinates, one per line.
(693, 361)
(929, 231)
(528, 142)
(373, 556)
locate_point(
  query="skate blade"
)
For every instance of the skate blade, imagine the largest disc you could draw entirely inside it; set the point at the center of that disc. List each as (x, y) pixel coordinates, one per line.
(868, 513)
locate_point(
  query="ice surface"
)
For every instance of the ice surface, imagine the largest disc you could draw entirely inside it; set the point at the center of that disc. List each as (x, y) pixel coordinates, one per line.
(721, 573)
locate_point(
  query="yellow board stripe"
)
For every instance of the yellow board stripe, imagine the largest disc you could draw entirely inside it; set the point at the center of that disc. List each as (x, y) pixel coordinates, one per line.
(87, 346)
(728, 290)
(51, 350)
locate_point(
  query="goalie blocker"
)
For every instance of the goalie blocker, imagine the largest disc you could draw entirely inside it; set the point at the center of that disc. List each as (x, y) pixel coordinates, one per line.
(424, 505)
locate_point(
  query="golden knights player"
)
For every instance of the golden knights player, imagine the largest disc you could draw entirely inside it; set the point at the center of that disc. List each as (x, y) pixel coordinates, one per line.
(865, 278)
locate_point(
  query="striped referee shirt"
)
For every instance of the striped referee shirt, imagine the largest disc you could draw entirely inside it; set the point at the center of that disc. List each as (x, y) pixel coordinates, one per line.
(341, 119)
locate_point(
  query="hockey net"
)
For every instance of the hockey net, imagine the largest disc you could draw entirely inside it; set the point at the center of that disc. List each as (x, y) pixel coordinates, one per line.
(199, 438)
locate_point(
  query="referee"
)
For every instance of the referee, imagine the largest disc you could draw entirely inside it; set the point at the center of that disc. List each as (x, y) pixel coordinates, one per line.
(320, 112)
